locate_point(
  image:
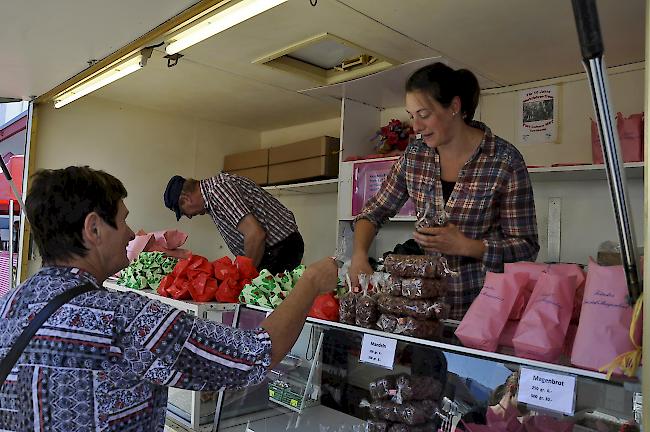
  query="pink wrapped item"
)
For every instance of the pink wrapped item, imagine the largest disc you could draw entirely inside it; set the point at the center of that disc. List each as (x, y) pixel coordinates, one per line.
(534, 270)
(508, 333)
(166, 241)
(541, 332)
(488, 314)
(603, 331)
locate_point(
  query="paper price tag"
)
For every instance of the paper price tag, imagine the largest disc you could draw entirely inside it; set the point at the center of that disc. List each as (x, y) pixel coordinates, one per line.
(548, 390)
(378, 350)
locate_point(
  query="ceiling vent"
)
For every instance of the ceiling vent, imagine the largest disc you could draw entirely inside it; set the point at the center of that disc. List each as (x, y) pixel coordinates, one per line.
(327, 59)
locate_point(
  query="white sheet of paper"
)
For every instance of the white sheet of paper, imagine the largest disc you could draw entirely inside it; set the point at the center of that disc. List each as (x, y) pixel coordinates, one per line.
(378, 350)
(548, 390)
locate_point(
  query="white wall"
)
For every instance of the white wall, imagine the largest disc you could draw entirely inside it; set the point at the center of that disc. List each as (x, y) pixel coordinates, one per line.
(315, 214)
(143, 148)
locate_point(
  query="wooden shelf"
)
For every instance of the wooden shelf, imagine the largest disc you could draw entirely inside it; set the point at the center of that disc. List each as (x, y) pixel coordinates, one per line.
(308, 188)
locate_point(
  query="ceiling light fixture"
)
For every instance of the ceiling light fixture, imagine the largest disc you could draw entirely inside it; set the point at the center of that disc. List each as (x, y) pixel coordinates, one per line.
(222, 20)
(110, 75)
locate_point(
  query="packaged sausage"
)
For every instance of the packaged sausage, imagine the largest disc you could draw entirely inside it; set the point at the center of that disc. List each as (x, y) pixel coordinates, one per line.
(420, 309)
(377, 426)
(348, 305)
(383, 388)
(416, 387)
(387, 323)
(410, 413)
(424, 329)
(366, 311)
(423, 288)
(393, 286)
(412, 266)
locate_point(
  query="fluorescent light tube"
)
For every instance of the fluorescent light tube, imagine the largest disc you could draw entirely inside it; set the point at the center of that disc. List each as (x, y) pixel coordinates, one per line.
(220, 21)
(99, 81)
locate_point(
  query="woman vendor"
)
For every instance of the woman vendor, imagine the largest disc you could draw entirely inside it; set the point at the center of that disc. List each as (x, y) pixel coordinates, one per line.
(459, 168)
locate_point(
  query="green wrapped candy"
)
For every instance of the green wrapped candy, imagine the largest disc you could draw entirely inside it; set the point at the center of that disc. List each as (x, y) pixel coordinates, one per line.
(251, 294)
(275, 300)
(284, 281)
(297, 273)
(265, 281)
(147, 270)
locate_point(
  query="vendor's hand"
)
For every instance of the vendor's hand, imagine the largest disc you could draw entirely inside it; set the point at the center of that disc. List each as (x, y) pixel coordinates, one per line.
(359, 264)
(322, 275)
(448, 240)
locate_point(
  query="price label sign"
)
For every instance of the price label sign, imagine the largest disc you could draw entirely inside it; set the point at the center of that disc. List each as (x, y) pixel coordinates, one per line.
(548, 390)
(378, 350)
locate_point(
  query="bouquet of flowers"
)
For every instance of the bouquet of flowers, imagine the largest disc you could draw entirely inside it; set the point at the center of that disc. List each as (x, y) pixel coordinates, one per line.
(393, 136)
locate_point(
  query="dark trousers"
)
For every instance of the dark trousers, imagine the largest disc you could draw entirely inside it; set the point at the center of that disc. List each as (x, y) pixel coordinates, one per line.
(285, 255)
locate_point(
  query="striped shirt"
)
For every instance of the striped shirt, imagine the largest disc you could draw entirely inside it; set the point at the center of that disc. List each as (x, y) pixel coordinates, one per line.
(102, 362)
(491, 201)
(229, 198)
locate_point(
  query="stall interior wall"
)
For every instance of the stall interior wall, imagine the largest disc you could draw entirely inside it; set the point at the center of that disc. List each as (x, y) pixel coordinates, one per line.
(143, 148)
(587, 218)
(315, 213)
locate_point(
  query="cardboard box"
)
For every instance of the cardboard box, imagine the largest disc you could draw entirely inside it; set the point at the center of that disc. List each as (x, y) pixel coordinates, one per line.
(248, 159)
(258, 174)
(252, 164)
(304, 160)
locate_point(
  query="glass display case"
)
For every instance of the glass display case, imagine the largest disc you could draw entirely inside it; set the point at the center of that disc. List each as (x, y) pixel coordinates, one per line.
(323, 386)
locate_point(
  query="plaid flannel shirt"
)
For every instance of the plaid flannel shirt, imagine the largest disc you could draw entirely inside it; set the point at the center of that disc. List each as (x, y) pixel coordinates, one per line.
(492, 201)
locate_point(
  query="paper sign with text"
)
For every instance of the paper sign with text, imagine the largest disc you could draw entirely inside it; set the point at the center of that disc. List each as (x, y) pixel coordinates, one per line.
(378, 350)
(548, 390)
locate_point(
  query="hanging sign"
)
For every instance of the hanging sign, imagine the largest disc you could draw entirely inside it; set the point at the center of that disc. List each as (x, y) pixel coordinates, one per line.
(378, 350)
(548, 390)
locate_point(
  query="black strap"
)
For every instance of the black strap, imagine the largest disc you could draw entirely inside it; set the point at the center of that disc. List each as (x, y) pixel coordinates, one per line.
(23, 340)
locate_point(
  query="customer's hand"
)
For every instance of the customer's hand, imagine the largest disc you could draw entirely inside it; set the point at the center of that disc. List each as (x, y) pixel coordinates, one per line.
(359, 265)
(322, 275)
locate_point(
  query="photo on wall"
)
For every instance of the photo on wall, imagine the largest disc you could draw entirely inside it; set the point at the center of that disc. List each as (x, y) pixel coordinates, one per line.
(538, 115)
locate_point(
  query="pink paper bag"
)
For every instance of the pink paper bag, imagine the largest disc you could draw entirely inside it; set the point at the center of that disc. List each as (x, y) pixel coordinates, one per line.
(603, 331)
(541, 332)
(508, 333)
(533, 270)
(486, 317)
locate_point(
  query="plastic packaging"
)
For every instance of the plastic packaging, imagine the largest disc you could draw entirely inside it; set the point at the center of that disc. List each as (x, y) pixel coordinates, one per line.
(424, 329)
(423, 288)
(420, 309)
(387, 323)
(377, 426)
(383, 388)
(399, 427)
(393, 286)
(348, 305)
(410, 413)
(366, 310)
(412, 266)
(416, 387)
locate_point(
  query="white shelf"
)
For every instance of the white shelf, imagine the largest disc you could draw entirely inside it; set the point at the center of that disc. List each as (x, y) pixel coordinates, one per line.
(309, 188)
(393, 219)
(198, 308)
(633, 170)
(455, 348)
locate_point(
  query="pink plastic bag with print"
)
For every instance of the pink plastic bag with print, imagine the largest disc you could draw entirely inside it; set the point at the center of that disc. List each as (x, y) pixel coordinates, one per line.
(486, 317)
(541, 332)
(603, 331)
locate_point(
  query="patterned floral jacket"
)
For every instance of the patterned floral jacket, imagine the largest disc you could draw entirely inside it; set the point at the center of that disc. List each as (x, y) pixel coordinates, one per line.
(102, 362)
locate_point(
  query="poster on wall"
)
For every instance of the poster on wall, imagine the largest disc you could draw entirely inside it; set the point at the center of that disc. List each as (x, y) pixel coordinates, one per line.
(538, 115)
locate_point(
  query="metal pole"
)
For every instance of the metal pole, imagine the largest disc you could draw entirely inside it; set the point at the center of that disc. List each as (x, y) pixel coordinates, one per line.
(11, 243)
(591, 45)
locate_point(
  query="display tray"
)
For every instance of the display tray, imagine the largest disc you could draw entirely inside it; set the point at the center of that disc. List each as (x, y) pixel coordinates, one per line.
(312, 419)
(453, 345)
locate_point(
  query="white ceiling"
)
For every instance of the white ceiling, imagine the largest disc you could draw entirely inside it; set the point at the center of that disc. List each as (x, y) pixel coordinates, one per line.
(504, 41)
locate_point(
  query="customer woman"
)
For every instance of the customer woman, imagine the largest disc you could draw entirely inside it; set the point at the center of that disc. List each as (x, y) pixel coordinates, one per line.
(458, 167)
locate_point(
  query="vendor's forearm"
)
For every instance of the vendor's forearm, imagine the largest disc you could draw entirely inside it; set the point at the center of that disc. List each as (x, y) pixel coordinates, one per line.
(286, 322)
(364, 234)
(254, 246)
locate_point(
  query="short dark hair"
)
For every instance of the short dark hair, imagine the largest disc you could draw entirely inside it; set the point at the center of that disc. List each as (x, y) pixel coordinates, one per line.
(59, 201)
(443, 83)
